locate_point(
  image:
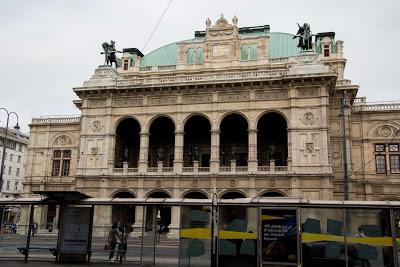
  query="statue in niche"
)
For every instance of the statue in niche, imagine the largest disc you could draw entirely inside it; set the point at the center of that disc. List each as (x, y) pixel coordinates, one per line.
(271, 150)
(125, 154)
(305, 36)
(196, 155)
(233, 153)
(160, 154)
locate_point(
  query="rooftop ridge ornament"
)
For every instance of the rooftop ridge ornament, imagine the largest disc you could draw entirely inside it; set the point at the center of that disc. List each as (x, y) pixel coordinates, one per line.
(305, 36)
(109, 53)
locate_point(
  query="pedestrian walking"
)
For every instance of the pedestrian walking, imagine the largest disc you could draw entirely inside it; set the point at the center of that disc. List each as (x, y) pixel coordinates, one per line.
(112, 239)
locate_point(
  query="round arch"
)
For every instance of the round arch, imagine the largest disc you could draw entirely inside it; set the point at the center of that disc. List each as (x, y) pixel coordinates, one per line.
(158, 193)
(127, 142)
(161, 141)
(155, 117)
(272, 111)
(272, 193)
(232, 194)
(123, 194)
(240, 113)
(163, 212)
(191, 115)
(121, 119)
(195, 195)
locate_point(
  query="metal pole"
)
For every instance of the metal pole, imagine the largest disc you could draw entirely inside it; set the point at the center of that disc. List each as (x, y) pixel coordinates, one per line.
(3, 156)
(28, 238)
(214, 204)
(346, 175)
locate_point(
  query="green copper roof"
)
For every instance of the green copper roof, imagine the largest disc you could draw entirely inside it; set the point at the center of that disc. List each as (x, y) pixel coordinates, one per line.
(165, 55)
(280, 45)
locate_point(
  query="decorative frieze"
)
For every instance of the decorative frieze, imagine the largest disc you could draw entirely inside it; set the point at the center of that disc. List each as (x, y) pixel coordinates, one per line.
(128, 102)
(96, 126)
(162, 100)
(95, 103)
(234, 97)
(308, 118)
(305, 93)
(271, 95)
(197, 99)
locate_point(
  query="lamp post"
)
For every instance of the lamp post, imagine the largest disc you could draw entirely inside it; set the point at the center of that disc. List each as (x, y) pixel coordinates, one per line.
(3, 156)
(343, 108)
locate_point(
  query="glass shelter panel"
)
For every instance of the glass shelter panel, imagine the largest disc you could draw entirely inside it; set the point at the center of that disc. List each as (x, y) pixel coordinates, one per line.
(149, 234)
(396, 221)
(369, 238)
(195, 236)
(322, 237)
(237, 236)
(279, 237)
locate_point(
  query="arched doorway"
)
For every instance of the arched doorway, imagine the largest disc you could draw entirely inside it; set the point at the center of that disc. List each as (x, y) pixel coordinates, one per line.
(234, 140)
(272, 140)
(272, 194)
(124, 214)
(195, 195)
(163, 212)
(127, 143)
(197, 141)
(162, 142)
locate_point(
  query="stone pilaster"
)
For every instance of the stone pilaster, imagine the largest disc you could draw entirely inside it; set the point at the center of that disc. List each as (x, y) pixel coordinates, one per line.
(214, 160)
(252, 163)
(144, 152)
(178, 153)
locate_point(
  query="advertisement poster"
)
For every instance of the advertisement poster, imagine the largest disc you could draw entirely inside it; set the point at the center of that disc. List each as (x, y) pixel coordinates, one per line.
(279, 236)
(75, 230)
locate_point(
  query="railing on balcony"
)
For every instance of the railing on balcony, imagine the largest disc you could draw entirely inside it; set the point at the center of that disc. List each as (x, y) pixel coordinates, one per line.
(187, 169)
(152, 169)
(118, 170)
(376, 107)
(241, 169)
(224, 168)
(204, 169)
(57, 119)
(264, 168)
(130, 170)
(167, 169)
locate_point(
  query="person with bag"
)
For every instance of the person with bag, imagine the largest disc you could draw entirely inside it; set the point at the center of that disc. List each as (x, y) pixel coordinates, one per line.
(112, 240)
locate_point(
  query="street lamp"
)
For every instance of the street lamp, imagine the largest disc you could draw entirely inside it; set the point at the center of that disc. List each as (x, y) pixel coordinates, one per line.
(214, 205)
(343, 108)
(16, 127)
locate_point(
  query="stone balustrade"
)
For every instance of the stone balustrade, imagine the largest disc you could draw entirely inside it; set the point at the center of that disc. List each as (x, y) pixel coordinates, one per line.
(376, 107)
(57, 119)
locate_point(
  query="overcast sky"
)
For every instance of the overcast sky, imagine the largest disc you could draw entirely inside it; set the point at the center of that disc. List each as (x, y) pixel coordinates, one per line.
(49, 47)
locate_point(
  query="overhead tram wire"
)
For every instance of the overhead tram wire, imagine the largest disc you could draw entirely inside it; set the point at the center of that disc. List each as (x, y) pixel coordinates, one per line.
(162, 15)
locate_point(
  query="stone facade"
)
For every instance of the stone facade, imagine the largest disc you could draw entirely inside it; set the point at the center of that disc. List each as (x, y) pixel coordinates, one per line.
(226, 76)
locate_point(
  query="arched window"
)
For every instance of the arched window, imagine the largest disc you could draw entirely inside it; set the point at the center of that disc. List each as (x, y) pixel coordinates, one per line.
(197, 141)
(162, 142)
(234, 140)
(199, 55)
(127, 143)
(190, 56)
(124, 214)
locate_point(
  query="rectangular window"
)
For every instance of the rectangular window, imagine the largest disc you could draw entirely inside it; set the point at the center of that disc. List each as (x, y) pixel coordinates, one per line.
(393, 147)
(65, 169)
(8, 185)
(20, 147)
(126, 64)
(9, 170)
(17, 172)
(16, 186)
(326, 51)
(19, 159)
(395, 163)
(56, 168)
(11, 157)
(380, 164)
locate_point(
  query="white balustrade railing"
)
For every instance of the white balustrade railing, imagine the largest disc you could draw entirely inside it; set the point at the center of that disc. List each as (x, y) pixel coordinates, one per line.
(376, 107)
(264, 168)
(224, 169)
(167, 169)
(241, 168)
(204, 169)
(187, 169)
(281, 168)
(224, 76)
(344, 82)
(152, 169)
(130, 170)
(57, 119)
(118, 170)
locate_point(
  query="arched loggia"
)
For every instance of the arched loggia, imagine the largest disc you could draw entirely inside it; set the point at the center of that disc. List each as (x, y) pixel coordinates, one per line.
(127, 143)
(124, 214)
(162, 142)
(197, 141)
(272, 139)
(164, 211)
(234, 140)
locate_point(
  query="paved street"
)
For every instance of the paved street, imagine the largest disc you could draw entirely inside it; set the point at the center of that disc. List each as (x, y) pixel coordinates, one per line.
(166, 251)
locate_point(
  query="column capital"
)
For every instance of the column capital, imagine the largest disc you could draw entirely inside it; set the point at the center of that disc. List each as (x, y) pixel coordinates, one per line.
(144, 133)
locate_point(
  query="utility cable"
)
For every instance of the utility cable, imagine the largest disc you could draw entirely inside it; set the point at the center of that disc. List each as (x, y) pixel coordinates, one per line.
(165, 10)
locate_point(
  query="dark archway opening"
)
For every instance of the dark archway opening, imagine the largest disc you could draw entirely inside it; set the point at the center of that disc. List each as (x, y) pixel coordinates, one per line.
(124, 214)
(197, 141)
(195, 195)
(232, 195)
(163, 212)
(233, 140)
(272, 141)
(272, 194)
(162, 142)
(127, 143)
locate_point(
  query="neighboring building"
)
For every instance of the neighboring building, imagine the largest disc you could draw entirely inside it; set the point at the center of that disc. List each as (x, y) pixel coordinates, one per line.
(14, 170)
(237, 111)
(14, 162)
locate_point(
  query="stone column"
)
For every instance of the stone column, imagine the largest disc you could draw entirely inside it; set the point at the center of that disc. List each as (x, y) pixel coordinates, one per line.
(144, 152)
(175, 222)
(252, 163)
(178, 153)
(195, 166)
(214, 160)
(137, 226)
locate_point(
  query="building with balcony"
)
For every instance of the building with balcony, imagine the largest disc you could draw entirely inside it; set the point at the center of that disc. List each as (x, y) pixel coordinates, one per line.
(241, 112)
